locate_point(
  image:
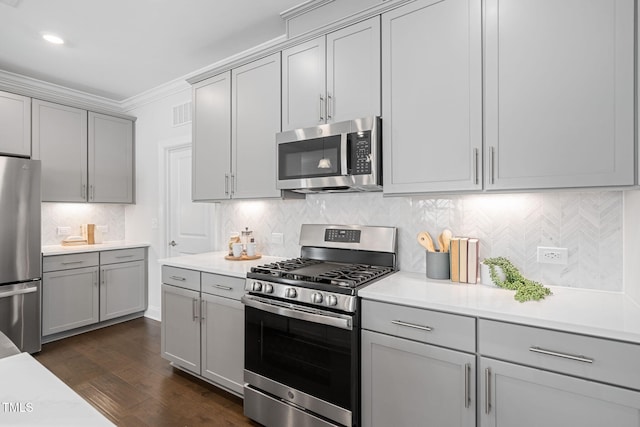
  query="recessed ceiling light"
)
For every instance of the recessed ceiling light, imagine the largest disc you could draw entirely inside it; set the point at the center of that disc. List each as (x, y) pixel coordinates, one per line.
(52, 38)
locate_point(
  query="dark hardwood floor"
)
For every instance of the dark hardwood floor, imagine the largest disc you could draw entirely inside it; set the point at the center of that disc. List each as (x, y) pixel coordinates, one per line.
(119, 371)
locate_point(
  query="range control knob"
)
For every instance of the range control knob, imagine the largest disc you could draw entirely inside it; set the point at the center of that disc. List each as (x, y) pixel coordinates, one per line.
(290, 293)
(332, 300)
(257, 286)
(268, 288)
(316, 298)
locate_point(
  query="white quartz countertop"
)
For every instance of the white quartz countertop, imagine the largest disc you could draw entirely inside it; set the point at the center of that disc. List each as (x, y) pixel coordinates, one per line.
(599, 313)
(106, 246)
(30, 395)
(214, 262)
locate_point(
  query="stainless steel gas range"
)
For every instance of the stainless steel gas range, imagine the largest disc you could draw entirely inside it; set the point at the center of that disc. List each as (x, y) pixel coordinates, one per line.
(302, 326)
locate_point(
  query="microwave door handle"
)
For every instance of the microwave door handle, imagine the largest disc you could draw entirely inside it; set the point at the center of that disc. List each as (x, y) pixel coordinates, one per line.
(343, 154)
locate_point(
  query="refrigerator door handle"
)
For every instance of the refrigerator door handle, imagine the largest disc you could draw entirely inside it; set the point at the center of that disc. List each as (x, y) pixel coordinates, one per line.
(7, 294)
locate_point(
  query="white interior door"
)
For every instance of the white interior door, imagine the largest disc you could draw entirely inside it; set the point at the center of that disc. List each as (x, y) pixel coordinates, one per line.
(190, 225)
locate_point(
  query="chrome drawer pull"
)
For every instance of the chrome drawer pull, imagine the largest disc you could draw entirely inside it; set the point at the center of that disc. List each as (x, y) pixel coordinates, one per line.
(411, 325)
(224, 288)
(72, 262)
(563, 355)
(124, 256)
(182, 279)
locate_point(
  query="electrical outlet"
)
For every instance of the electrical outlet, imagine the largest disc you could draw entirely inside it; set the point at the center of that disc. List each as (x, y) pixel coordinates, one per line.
(277, 238)
(549, 255)
(63, 231)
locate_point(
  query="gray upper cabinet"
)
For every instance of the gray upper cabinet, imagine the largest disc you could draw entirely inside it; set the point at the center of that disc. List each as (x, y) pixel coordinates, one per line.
(110, 159)
(60, 142)
(332, 78)
(237, 115)
(559, 94)
(432, 97)
(212, 138)
(255, 122)
(15, 124)
(86, 157)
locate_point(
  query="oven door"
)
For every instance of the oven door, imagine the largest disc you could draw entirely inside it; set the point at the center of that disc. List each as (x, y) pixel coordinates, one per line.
(303, 357)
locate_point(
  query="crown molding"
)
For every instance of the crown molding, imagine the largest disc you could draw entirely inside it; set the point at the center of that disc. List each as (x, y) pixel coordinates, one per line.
(34, 88)
(303, 8)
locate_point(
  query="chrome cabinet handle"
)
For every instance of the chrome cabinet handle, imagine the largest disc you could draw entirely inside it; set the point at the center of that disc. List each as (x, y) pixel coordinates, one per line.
(181, 279)
(579, 358)
(224, 288)
(71, 262)
(329, 105)
(124, 256)
(91, 192)
(233, 184)
(95, 278)
(487, 390)
(321, 108)
(475, 166)
(194, 308)
(83, 191)
(103, 274)
(226, 183)
(203, 308)
(412, 325)
(492, 153)
(467, 385)
(173, 243)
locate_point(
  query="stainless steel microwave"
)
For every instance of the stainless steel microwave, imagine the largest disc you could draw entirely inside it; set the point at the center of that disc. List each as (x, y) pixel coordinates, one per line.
(335, 157)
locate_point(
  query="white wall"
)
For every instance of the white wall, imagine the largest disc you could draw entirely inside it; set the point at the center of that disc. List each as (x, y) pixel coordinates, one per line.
(154, 130)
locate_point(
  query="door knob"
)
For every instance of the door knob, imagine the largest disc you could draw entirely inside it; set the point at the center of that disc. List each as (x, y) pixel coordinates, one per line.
(173, 243)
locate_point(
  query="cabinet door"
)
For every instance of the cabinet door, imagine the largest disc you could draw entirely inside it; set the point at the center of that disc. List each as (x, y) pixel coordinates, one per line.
(406, 383)
(559, 93)
(212, 138)
(60, 142)
(180, 328)
(256, 120)
(223, 342)
(353, 71)
(123, 289)
(303, 84)
(528, 397)
(432, 96)
(15, 124)
(110, 159)
(69, 299)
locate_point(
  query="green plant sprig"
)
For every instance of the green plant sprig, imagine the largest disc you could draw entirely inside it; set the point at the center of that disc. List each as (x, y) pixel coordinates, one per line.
(526, 290)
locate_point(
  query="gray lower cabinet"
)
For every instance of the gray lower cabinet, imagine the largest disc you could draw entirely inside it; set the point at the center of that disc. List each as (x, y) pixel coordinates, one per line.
(203, 325)
(122, 284)
(69, 299)
(555, 379)
(408, 378)
(83, 289)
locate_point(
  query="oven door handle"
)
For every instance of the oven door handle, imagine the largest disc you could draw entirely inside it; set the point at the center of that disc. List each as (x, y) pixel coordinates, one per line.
(344, 166)
(296, 312)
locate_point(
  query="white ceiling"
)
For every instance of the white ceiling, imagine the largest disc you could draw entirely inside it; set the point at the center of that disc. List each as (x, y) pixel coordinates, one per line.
(121, 48)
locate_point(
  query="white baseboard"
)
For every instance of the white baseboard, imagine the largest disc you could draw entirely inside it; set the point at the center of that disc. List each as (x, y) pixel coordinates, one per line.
(153, 313)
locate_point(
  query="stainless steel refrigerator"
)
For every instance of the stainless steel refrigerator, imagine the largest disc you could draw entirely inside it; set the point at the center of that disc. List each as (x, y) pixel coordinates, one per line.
(20, 265)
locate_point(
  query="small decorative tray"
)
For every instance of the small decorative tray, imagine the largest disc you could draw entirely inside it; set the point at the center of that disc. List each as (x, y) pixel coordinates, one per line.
(242, 257)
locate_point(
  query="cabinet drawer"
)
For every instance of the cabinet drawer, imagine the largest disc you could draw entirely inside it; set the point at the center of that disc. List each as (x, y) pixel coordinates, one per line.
(181, 277)
(66, 262)
(121, 255)
(224, 286)
(593, 358)
(443, 329)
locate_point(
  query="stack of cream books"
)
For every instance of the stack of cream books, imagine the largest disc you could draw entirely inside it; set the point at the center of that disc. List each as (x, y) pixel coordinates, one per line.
(464, 259)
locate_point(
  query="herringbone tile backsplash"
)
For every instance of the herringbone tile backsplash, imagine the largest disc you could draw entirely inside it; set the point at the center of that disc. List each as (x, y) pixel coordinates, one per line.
(589, 224)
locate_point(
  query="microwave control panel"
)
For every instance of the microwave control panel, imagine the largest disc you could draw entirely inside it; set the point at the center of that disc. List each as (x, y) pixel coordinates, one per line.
(360, 147)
